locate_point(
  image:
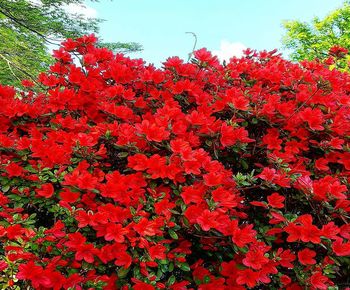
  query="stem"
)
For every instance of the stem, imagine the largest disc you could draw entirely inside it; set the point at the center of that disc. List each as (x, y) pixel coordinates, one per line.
(194, 45)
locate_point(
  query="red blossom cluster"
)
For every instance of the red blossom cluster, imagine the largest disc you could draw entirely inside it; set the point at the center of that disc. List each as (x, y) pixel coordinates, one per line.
(117, 175)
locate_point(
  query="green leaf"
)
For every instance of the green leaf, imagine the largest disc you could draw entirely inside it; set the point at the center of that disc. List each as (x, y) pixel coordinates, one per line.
(171, 280)
(244, 164)
(122, 272)
(5, 188)
(184, 267)
(163, 262)
(173, 234)
(123, 154)
(206, 279)
(132, 210)
(171, 267)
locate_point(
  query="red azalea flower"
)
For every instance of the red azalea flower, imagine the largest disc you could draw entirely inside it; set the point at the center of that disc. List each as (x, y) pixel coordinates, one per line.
(255, 259)
(86, 252)
(306, 257)
(340, 248)
(275, 200)
(319, 281)
(207, 220)
(13, 170)
(286, 258)
(244, 236)
(3, 266)
(46, 190)
(248, 277)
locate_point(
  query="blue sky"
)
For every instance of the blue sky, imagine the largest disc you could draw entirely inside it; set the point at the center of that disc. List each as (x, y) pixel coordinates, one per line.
(221, 25)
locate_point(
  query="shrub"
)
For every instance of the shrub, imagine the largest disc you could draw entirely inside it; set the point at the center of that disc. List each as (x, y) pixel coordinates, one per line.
(118, 175)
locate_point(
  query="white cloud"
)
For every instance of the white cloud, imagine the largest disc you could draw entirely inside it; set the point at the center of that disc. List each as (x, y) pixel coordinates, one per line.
(84, 10)
(229, 49)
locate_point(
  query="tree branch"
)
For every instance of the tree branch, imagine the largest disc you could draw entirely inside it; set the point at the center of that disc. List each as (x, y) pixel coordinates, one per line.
(10, 68)
(14, 19)
(9, 62)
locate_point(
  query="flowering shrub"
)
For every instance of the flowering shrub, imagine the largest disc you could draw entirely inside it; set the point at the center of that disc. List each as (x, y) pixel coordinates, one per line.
(118, 175)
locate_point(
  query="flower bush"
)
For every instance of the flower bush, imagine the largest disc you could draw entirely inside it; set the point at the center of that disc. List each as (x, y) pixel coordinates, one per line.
(118, 175)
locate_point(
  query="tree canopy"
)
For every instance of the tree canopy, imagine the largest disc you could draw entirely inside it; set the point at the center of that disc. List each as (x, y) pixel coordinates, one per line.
(315, 39)
(28, 28)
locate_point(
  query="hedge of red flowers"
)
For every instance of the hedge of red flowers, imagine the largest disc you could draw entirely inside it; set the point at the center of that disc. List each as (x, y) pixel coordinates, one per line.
(117, 175)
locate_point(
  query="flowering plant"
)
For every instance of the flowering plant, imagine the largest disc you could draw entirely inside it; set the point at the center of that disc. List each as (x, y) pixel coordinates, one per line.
(118, 175)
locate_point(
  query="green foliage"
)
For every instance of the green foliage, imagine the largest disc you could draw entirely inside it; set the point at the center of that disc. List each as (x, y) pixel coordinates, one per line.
(28, 28)
(313, 40)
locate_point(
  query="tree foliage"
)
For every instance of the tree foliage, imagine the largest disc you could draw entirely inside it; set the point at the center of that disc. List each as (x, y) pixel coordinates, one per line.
(315, 39)
(27, 28)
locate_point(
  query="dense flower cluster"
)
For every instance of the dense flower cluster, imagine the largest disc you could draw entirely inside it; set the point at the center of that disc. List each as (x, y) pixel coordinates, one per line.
(119, 175)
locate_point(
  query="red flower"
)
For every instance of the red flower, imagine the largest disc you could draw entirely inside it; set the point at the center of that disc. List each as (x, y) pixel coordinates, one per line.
(314, 118)
(306, 257)
(73, 281)
(230, 136)
(164, 207)
(27, 83)
(318, 281)
(157, 166)
(224, 197)
(86, 252)
(34, 273)
(205, 56)
(242, 237)
(338, 51)
(57, 230)
(255, 259)
(330, 231)
(138, 162)
(157, 252)
(146, 228)
(115, 232)
(212, 178)
(85, 219)
(268, 174)
(235, 97)
(56, 279)
(271, 139)
(75, 241)
(275, 200)
(207, 220)
(3, 266)
(15, 231)
(276, 218)
(345, 231)
(340, 248)
(193, 194)
(180, 285)
(13, 170)
(286, 258)
(285, 280)
(69, 196)
(248, 277)
(123, 259)
(305, 232)
(152, 131)
(46, 190)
